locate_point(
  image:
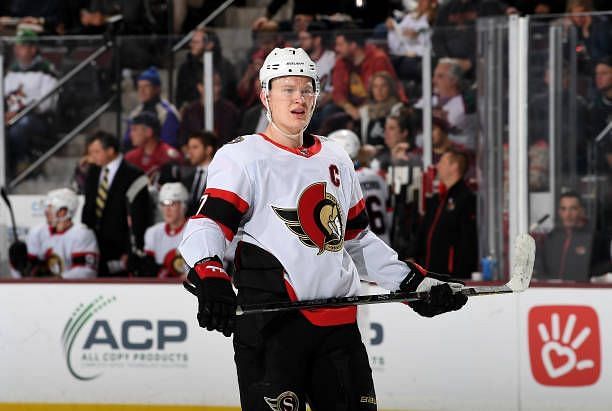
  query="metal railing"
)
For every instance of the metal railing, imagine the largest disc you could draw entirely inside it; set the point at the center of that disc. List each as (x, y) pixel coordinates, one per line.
(60, 144)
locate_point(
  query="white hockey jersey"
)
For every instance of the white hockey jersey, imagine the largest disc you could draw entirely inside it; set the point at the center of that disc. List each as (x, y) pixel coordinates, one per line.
(376, 196)
(36, 238)
(304, 206)
(161, 243)
(72, 253)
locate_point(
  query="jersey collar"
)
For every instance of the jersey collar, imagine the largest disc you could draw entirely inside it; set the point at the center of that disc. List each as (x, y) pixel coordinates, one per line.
(309, 149)
(171, 232)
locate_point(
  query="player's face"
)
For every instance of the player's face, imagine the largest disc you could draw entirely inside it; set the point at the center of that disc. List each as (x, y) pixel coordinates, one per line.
(173, 212)
(291, 100)
(380, 89)
(570, 212)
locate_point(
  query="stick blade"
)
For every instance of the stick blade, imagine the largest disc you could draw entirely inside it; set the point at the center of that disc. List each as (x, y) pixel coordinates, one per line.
(522, 264)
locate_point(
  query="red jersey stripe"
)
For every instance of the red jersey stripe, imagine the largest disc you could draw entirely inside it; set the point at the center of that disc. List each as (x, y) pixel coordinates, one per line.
(230, 197)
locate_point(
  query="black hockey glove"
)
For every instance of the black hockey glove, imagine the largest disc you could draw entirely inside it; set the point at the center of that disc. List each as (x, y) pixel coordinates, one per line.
(217, 301)
(18, 255)
(444, 295)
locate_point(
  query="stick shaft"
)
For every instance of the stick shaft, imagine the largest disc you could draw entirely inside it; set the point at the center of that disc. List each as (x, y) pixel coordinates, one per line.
(404, 297)
(7, 201)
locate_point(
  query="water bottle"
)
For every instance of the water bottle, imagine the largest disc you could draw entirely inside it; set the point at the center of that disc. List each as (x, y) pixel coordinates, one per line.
(488, 268)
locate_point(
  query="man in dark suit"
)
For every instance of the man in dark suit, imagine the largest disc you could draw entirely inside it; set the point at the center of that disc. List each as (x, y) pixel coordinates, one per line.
(117, 204)
(201, 147)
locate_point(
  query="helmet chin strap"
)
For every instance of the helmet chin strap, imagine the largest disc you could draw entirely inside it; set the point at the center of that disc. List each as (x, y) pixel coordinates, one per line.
(295, 137)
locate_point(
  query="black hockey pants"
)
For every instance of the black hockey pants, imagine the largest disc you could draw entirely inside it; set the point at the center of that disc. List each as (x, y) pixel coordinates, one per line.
(286, 362)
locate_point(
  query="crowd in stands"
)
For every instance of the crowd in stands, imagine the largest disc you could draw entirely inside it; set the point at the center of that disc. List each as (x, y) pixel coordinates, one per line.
(369, 62)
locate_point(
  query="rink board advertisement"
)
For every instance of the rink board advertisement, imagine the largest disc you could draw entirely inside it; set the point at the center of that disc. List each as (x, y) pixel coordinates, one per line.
(131, 345)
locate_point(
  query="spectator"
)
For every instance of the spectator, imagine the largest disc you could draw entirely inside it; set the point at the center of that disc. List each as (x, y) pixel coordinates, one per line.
(446, 239)
(454, 33)
(40, 16)
(254, 118)
(70, 249)
(191, 70)
(150, 154)
(601, 105)
(29, 78)
(226, 114)
(161, 257)
(408, 38)
(449, 103)
(117, 204)
(149, 95)
(593, 32)
(264, 43)
(303, 12)
(201, 147)
(355, 64)
(440, 140)
(383, 100)
(572, 135)
(313, 40)
(573, 251)
(397, 148)
(338, 121)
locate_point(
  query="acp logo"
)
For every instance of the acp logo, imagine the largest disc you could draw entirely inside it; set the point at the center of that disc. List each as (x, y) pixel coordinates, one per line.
(93, 344)
(564, 345)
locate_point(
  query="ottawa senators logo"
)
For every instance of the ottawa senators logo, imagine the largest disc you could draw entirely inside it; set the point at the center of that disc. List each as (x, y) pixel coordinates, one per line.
(317, 220)
(175, 264)
(55, 264)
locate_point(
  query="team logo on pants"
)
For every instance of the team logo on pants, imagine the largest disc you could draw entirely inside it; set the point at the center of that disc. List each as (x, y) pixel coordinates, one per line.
(317, 220)
(287, 401)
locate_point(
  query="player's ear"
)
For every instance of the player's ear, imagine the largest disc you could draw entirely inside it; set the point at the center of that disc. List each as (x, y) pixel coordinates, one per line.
(263, 99)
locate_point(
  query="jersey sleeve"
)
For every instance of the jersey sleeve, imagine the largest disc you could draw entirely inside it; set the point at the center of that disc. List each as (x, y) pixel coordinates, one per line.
(149, 242)
(84, 257)
(375, 260)
(226, 200)
(357, 217)
(34, 244)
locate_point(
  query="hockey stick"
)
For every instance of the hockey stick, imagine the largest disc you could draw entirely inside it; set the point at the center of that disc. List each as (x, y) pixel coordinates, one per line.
(10, 207)
(521, 271)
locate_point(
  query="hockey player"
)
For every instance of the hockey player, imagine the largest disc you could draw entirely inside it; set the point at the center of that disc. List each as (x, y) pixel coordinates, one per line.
(22, 255)
(69, 250)
(161, 240)
(295, 202)
(373, 185)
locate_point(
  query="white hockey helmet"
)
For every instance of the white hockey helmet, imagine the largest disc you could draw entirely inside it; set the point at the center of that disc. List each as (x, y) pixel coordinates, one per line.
(348, 140)
(173, 192)
(63, 198)
(288, 61)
